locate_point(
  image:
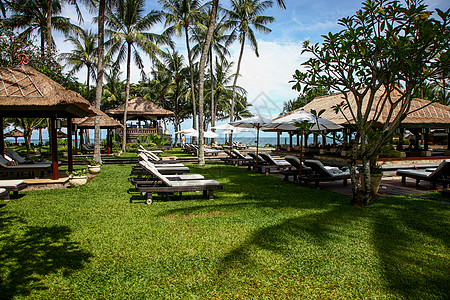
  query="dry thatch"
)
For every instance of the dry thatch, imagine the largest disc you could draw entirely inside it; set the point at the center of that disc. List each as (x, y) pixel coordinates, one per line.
(14, 133)
(428, 114)
(140, 107)
(89, 122)
(25, 92)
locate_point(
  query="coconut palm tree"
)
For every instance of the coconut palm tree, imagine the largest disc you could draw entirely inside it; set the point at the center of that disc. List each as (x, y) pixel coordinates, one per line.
(127, 25)
(181, 16)
(49, 22)
(84, 54)
(246, 15)
(32, 16)
(3, 4)
(218, 47)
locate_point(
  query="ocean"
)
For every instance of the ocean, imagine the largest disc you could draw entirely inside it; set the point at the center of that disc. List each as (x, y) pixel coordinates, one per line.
(246, 140)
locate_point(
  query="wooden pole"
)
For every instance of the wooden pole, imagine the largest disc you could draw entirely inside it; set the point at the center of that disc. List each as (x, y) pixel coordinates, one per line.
(69, 144)
(54, 147)
(2, 138)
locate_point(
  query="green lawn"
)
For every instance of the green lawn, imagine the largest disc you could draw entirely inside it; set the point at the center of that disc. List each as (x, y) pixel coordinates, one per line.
(261, 238)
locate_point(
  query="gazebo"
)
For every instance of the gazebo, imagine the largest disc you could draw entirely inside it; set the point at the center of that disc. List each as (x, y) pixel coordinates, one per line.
(146, 113)
(425, 115)
(27, 93)
(15, 133)
(89, 123)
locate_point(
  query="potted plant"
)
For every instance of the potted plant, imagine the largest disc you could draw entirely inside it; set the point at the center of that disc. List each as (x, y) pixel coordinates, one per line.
(94, 166)
(78, 177)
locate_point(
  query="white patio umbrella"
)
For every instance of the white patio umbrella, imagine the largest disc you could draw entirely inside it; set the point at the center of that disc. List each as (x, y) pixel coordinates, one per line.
(230, 129)
(288, 123)
(190, 132)
(254, 122)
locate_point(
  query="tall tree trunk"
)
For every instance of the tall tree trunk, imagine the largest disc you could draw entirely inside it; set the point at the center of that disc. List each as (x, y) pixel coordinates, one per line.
(99, 88)
(191, 69)
(43, 40)
(127, 95)
(212, 22)
(235, 80)
(213, 115)
(49, 29)
(88, 80)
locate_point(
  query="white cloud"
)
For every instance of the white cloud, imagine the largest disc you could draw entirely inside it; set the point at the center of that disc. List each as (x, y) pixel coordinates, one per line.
(266, 78)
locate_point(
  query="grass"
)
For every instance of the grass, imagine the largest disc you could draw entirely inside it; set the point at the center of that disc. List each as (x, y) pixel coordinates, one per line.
(261, 238)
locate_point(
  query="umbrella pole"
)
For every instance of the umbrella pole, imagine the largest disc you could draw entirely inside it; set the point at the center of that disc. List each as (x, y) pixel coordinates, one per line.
(301, 154)
(231, 140)
(257, 144)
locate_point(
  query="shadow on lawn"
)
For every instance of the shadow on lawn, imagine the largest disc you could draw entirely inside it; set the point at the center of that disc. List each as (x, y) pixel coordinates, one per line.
(400, 232)
(396, 231)
(33, 252)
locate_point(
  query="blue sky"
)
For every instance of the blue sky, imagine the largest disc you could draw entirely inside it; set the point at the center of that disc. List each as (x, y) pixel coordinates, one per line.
(266, 78)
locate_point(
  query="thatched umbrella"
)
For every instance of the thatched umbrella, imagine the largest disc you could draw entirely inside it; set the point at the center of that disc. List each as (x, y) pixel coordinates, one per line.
(61, 134)
(27, 93)
(15, 133)
(105, 122)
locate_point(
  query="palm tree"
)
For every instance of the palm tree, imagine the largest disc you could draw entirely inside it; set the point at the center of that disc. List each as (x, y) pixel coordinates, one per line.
(113, 90)
(181, 16)
(175, 91)
(205, 50)
(84, 54)
(3, 4)
(127, 24)
(244, 15)
(32, 16)
(218, 46)
(49, 22)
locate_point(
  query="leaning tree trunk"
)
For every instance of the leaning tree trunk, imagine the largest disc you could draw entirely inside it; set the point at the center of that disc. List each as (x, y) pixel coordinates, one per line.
(235, 80)
(99, 89)
(191, 70)
(213, 115)
(201, 154)
(127, 95)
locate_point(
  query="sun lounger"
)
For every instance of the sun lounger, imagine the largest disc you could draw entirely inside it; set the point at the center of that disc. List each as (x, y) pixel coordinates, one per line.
(440, 175)
(319, 173)
(295, 168)
(12, 186)
(166, 169)
(281, 163)
(263, 165)
(153, 155)
(236, 158)
(156, 159)
(164, 185)
(4, 194)
(35, 169)
(149, 168)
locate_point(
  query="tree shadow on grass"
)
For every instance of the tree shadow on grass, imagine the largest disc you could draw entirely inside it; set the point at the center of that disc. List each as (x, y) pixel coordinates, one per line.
(32, 252)
(412, 240)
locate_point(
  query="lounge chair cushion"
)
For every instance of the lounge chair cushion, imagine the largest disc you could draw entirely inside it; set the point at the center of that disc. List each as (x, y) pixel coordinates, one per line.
(4, 194)
(14, 155)
(158, 175)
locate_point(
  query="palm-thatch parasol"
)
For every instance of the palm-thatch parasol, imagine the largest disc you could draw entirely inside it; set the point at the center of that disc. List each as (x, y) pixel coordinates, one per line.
(27, 93)
(15, 133)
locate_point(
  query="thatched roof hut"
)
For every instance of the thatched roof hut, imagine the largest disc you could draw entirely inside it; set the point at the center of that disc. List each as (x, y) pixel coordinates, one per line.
(89, 122)
(15, 133)
(25, 92)
(140, 108)
(425, 114)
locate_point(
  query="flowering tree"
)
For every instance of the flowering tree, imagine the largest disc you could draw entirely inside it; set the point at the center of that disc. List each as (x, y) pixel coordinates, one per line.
(383, 46)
